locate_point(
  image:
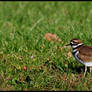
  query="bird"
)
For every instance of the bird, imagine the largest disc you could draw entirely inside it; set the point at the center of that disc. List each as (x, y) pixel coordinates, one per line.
(82, 53)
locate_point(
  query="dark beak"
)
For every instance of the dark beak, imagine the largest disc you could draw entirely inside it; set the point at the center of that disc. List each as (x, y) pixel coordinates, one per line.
(67, 44)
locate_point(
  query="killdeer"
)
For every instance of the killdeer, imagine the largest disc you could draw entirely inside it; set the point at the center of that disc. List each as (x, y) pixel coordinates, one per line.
(82, 53)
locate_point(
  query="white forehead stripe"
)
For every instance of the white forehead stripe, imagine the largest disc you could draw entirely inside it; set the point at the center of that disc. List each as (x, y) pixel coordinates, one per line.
(71, 42)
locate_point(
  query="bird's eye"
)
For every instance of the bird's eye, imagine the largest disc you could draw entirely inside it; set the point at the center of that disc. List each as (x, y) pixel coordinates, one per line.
(73, 43)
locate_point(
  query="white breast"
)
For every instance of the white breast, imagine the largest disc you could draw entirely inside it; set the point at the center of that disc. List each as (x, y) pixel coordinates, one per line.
(84, 63)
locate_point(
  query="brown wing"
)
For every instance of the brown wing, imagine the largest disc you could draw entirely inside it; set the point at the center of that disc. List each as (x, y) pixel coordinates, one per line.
(85, 53)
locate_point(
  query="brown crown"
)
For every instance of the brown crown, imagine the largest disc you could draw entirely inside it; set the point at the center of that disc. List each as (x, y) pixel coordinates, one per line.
(75, 40)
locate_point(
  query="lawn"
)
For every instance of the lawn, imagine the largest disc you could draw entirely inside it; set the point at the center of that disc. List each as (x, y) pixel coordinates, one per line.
(30, 62)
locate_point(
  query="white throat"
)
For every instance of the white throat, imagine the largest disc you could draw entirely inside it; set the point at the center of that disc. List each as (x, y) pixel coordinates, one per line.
(74, 46)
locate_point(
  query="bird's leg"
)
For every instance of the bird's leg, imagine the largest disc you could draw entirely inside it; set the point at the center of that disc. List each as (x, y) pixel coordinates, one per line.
(85, 71)
(90, 69)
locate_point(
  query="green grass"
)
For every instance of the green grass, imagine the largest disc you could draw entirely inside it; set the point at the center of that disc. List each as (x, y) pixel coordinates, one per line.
(22, 43)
